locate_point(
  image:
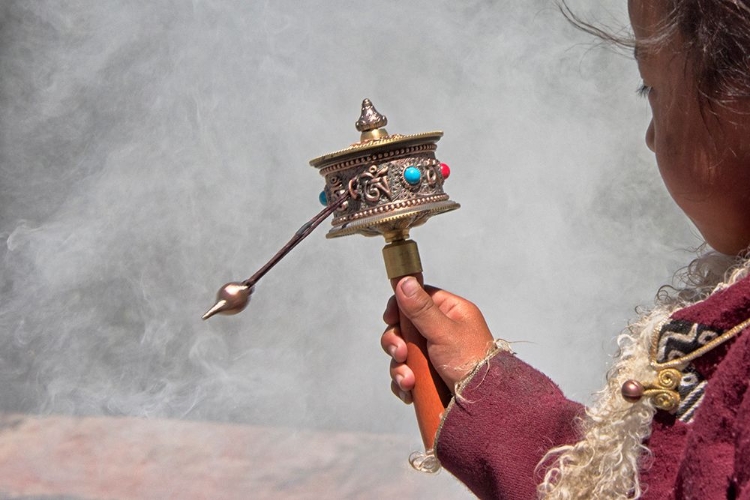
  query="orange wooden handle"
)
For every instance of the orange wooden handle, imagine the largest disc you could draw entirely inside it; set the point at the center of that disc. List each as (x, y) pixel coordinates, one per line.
(430, 394)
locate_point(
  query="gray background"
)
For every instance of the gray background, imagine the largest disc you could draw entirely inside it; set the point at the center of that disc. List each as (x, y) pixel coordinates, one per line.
(151, 151)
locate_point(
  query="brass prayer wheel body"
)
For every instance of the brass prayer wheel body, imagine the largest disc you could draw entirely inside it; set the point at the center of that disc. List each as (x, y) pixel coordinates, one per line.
(394, 182)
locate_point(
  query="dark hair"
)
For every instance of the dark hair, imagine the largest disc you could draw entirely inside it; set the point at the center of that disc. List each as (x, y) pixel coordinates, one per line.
(715, 36)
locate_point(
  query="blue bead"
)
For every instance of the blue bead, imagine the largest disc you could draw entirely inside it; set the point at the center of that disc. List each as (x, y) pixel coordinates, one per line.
(323, 198)
(412, 175)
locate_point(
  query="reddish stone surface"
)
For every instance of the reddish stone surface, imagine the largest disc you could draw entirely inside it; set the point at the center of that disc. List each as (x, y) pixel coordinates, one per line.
(118, 458)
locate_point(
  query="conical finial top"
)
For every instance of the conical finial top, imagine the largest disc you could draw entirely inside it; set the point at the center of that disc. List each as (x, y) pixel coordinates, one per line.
(371, 123)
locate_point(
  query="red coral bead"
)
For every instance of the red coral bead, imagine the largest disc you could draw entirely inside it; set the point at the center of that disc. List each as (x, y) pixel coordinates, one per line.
(445, 170)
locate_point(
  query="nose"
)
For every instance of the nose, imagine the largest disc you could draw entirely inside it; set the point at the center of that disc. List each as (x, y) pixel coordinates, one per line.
(650, 136)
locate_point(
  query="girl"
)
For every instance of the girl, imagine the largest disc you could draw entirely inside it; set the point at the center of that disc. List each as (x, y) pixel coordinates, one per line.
(674, 419)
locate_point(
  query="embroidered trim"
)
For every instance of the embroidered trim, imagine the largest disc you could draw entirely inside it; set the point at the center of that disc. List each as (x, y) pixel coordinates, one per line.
(675, 341)
(711, 344)
(692, 388)
(678, 338)
(678, 388)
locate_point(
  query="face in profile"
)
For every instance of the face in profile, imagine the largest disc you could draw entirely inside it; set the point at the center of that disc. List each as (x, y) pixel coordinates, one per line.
(701, 149)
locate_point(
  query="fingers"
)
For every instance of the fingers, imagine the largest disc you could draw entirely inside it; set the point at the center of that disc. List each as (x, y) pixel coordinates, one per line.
(404, 396)
(393, 344)
(402, 376)
(390, 316)
(418, 305)
(403, 381)
(448, 304)
(456, 333)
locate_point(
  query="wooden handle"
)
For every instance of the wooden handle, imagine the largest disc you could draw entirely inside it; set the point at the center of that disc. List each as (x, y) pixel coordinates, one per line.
(430, 394)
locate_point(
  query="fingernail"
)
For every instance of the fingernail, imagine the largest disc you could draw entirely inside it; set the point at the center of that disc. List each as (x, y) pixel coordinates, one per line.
(409, 286)
(392, 351)
(403, 396)
(399, 379)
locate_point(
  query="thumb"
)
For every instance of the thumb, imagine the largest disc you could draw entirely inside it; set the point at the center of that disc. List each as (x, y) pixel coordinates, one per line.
(417, 305)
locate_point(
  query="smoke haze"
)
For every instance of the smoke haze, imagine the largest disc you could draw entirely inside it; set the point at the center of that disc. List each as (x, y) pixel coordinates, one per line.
(152, 151)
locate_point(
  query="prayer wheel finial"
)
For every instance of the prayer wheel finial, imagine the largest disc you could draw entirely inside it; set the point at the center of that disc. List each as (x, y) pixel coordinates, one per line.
(371, 123)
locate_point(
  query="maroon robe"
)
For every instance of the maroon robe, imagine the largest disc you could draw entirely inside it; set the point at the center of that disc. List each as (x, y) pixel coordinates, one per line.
(512, 415)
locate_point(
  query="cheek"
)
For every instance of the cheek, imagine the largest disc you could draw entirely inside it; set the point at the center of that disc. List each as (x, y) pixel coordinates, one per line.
(673, 135)
(688, 169)
(678, 162)
(683, 180)
(660, 139)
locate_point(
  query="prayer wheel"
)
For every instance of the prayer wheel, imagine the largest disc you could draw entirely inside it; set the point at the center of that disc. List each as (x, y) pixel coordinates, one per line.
(381, 185)
(393, 183)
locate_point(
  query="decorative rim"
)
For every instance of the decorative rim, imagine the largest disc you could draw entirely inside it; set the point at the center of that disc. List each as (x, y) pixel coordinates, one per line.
(361, 225)
(362, 148)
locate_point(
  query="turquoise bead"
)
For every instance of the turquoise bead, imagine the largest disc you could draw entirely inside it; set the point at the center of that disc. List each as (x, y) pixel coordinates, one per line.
(323, 198)
(412, 175)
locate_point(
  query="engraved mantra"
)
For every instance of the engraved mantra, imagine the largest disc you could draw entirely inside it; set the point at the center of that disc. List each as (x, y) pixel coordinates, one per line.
(372, 184)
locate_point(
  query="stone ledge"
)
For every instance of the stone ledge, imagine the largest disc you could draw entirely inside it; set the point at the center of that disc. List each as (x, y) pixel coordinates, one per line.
(100, 458)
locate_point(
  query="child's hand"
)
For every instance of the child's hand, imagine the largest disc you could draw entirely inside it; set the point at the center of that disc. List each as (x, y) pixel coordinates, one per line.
(457, 335)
